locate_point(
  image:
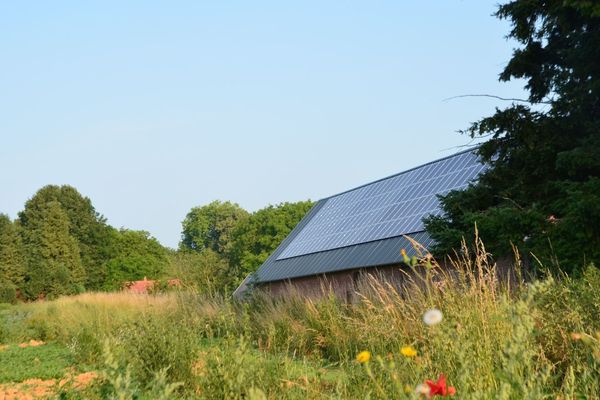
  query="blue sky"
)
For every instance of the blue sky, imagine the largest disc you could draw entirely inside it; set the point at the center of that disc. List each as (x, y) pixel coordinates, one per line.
(150, 108)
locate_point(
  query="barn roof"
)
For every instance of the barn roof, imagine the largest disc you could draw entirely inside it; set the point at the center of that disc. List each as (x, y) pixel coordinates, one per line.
(365, 226)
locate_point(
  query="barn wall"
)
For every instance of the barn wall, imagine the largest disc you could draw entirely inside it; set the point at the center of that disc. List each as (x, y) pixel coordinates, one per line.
(344, 284)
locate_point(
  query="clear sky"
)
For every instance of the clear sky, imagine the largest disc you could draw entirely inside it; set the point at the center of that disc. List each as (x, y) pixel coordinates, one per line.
(150, 108)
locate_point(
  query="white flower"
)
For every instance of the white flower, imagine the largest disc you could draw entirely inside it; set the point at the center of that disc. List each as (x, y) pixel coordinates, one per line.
(422, 389)
(432, 317)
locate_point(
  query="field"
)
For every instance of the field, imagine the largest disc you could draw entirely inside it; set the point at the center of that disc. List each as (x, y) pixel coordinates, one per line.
(490, 339)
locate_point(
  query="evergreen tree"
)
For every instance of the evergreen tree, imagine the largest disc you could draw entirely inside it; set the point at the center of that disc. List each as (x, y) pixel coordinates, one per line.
(89, 228)
(542, 191)
(54, 264)
(12, 262)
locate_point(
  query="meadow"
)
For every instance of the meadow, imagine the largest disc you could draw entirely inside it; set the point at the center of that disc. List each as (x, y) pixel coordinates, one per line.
(486, 337)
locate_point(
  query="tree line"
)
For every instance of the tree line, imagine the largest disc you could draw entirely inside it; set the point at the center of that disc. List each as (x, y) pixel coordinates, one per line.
(60, 245)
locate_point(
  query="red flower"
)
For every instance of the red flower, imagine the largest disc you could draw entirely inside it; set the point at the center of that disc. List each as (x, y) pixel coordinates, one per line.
(439, 388)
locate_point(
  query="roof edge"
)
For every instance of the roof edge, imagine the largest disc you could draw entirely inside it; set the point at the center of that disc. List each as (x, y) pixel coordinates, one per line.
(402, 172)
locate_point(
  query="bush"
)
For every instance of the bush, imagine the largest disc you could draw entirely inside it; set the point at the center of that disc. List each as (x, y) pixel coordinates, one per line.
(86, 345)
(8, 292)
(155, 343)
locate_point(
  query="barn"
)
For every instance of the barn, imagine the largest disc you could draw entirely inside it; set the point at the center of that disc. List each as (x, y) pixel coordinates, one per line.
(362, 230)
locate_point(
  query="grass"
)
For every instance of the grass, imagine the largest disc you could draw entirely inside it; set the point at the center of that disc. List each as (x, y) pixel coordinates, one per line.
(44, 362)
(497, 339)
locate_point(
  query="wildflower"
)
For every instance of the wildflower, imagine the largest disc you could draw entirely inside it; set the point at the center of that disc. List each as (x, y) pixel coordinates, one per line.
(422, 389)
(408, 351)
(432, 317)
(576, 336)
(439, 388)
(407, 389)
(403, 252)
(363, 357)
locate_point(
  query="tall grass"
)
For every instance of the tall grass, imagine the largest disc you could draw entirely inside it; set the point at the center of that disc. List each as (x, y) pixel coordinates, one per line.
(100, 312)
(500, 337)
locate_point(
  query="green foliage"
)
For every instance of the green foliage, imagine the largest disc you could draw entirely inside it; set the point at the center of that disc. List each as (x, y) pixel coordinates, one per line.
(211, 227)
(136, 255)
(231, 370)
(61, 245)
(8, 291)
(206, 272)
(118, 382)
(228, 243)
(258, 236)
(12, 259)
(542, 192)
(84, 343)
(44, 362)
(54, 265)
(157, 344)
(86, 226)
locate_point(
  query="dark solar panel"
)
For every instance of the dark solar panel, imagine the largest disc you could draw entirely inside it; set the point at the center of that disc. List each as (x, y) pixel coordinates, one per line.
(387, 208)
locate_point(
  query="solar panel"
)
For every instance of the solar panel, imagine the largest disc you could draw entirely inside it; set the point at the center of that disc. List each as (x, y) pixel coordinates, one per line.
(386, 208)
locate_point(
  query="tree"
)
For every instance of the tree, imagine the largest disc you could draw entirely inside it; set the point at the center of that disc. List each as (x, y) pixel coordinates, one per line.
(211, 227)
(12, 260)
(137, 255)
(88, 227)
(228, 243)
(206, 272)
(258, 236)
(54, 265)
(542, 191)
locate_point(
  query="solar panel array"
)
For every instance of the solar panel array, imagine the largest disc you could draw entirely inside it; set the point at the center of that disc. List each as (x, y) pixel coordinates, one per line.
(387, 208)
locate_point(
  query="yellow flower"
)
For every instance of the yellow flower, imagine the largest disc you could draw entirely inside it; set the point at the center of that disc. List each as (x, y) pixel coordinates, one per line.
(408, 351)
(363, 357)
(407, 389)
(403, 253)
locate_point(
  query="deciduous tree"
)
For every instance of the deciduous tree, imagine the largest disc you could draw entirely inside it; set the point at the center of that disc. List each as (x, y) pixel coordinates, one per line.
(137, 255)
(211, 227)
(258, 236)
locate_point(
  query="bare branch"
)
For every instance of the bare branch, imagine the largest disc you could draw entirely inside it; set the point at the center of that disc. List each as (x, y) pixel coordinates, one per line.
(496, 97)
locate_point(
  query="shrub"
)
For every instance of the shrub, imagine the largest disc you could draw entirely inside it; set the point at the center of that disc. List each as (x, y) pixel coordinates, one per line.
(8, 292)
(155, 343)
